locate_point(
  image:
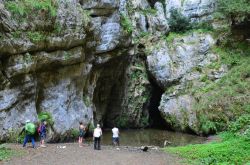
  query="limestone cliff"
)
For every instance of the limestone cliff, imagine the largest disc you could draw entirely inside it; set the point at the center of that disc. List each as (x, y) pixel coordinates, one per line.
(95, 61)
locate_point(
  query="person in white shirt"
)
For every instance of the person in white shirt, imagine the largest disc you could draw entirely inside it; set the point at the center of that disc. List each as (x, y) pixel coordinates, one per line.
(115, 137)
(97, 137)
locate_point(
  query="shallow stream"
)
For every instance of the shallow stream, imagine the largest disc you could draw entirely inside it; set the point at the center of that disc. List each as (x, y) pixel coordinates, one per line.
(151, 137)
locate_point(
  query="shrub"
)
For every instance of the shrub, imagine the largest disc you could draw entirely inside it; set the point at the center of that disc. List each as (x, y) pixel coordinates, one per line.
(74, 133)
(178, 22)
(25, 8)
(14, 137)
(225, 101)
(46, 116)
(144, 121)
(122, 121)
(233, 8)
(241, 124)
(126, 24)
(90, 127)
(36, 36)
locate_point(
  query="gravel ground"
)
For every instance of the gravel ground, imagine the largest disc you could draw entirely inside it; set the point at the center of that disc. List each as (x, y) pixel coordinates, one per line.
(72, 154)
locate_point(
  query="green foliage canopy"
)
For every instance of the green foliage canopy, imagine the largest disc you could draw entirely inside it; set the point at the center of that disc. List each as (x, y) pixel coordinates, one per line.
(234, 7)
(26, 8)
(178, 22)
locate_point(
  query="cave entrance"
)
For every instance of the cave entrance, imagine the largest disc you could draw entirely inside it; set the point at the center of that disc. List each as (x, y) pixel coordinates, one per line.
(109, 91)
(241, 31)
(155, 118)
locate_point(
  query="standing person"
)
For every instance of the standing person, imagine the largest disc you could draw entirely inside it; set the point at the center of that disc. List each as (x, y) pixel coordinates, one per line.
(29, 130)
(81, 133)
(97, 137)
(42, 133)
(115, 137)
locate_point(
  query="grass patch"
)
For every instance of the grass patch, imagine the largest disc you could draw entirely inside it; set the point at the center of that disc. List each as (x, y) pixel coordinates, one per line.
(149, 11)
(7, 153)
(231, 150)
(173, 35)
(126, 24)
(36, 36)
(26, 8)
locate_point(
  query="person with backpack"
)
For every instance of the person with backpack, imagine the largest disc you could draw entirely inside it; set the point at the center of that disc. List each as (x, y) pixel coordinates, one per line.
(29, 130)
(97, 137)
(42, 132)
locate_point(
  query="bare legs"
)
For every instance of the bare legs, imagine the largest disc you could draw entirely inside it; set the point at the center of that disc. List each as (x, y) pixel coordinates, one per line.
(80, 141)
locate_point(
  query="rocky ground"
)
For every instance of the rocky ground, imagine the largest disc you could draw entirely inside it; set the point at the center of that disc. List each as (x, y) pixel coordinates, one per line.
(71, 154)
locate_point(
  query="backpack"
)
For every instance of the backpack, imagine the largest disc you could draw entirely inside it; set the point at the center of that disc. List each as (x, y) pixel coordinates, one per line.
(39, 129)
(30, 128)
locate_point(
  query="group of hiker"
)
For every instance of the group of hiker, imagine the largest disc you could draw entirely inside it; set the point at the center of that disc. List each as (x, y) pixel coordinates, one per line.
(30, 131)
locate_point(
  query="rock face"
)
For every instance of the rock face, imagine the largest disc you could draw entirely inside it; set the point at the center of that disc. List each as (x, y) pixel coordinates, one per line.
(197, 10)
(180, 68)
(79, 60)
(47, 62)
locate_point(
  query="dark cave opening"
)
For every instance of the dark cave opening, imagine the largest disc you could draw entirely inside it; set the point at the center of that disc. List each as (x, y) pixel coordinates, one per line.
(110, 91)
(152, 2)
(241, 30)
(155, 118)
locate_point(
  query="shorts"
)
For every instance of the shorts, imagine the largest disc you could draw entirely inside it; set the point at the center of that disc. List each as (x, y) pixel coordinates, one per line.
(115, 139)
(43, 136)
(81, 134)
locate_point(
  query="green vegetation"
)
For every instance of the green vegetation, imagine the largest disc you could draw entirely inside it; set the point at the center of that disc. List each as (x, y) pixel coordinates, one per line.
(232, 149)
(173, 35)
(241, 126)
(149, 11)
(90, 127)
(178, 22)
(6, 153)
(74, 133)
(17, 34)
(226, 100)
(87, 100)
(27, 8)
(14, 137)
(138, 96)
(126, 23)
(233, 8)
(144, 121)
(46, 116)
(86, 16)
(36, 36)
(223, 105)
(122, 121)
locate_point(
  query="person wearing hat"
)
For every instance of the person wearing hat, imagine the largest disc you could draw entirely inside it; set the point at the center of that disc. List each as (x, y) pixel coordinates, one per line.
(29, 130)
(97, 137)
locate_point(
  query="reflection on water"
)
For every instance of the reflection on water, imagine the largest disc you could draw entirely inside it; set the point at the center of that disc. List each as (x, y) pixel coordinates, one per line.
(152, 137)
